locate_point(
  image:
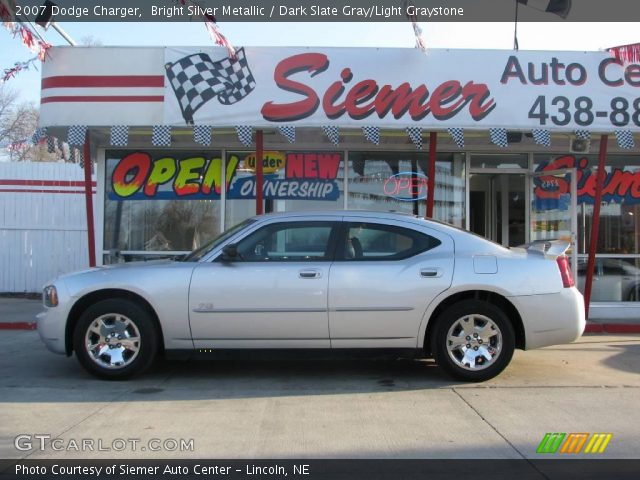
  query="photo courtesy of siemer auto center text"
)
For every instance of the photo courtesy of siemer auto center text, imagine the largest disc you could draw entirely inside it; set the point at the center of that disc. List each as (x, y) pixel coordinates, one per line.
(310, 239)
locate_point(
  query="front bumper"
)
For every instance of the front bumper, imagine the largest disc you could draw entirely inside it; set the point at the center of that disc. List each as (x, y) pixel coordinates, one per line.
(53, 320)
(551, 319)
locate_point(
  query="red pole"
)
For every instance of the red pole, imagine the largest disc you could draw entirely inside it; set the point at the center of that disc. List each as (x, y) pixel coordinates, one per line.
(431, 181)
(259, 175)
(595, 223)
(88, 198)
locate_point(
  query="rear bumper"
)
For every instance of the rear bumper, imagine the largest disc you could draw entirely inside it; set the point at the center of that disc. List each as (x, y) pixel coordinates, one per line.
(551, 319)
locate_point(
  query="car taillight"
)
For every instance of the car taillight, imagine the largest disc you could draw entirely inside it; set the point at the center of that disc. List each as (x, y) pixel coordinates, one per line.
(565, 271)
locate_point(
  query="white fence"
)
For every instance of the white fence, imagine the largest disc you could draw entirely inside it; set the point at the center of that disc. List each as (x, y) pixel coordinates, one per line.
(43, 227)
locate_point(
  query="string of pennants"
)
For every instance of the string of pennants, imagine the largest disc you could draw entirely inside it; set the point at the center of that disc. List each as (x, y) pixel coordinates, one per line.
(71, 149)
(202, 135)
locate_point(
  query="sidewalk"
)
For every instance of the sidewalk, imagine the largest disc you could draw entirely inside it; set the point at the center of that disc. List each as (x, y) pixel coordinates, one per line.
(19, 313)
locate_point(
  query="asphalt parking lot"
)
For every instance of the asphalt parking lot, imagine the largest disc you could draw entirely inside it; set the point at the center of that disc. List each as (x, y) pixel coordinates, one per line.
(322, 409)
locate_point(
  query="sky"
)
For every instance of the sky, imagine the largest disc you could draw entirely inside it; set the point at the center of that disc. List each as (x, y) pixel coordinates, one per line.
(531, 36)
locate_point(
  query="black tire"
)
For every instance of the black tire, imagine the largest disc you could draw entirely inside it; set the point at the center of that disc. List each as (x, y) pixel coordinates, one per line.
(133, 363)
(457, 312)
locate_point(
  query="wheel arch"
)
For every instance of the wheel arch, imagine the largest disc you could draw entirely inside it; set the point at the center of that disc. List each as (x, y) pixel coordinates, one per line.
(494, 298)
(106, 294)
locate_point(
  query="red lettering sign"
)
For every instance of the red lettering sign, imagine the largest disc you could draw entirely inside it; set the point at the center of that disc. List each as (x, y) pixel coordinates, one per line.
(366, 97)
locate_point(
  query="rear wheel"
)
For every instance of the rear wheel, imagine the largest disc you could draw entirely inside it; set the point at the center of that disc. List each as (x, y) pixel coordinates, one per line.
(115, 339)
(473, 340)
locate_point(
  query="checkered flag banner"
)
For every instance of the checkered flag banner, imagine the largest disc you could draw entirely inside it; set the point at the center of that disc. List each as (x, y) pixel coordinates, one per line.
(583, 134)
(196, 79)
(333, 133)
(202, 135)
(288, 132)
(542, 136)
(498, 136)
(76, 135)
(245, 135)
(625, 139)
(38, 135)
(51, 144)
(415, 134)
(161, 136)
(119, 136)
(457, 134)
(372, 134)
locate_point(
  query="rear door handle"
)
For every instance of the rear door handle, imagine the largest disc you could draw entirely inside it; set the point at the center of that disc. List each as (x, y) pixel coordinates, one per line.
(431, 272)
(309, 274)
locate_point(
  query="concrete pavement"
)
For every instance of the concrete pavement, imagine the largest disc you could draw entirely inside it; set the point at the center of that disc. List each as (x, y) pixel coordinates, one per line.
(330, 409)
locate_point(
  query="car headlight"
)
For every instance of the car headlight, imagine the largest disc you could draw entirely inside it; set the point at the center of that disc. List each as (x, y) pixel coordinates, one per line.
(50, 296)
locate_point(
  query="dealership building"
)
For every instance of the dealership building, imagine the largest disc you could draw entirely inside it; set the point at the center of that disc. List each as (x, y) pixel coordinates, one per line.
(501, 143)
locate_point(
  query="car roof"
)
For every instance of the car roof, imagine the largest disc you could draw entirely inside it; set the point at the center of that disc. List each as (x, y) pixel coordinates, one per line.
(373, 214)
(341, 213)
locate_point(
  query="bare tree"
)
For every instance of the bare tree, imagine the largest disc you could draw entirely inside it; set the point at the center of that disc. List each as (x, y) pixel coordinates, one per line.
(90, 41)
(18, 121)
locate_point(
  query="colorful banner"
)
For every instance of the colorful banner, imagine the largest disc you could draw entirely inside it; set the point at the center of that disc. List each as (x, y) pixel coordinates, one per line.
(287, 176)
(621, 185)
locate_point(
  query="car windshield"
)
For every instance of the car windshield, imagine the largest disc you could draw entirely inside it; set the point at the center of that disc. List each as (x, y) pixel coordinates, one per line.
(196, 255)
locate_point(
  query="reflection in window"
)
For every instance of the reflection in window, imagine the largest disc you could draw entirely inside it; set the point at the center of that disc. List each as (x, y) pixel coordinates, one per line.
(619, 226)
(614, 279)
(148, 223)
(303, 241)
(397, 181)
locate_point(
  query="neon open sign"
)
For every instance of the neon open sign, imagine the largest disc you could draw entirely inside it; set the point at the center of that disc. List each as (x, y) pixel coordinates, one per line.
(406, 186)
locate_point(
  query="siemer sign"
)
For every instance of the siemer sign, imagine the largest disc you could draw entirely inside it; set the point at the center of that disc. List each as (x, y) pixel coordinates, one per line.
(398, 88)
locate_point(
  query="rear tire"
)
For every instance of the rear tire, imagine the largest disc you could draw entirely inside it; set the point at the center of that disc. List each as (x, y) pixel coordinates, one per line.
(115, 339)
(473, 340)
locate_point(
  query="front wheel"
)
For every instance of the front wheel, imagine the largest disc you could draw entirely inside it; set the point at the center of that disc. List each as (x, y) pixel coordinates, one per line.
(473, 340)
(115, 339)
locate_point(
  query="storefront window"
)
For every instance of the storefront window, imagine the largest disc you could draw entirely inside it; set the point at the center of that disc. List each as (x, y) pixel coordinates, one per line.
(398, 181)
(160, 201)
(293, 181)
(617, 271)
(499, 160)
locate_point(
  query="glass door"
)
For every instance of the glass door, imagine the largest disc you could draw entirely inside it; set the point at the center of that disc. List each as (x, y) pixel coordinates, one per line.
(553, 213)
(497, 207)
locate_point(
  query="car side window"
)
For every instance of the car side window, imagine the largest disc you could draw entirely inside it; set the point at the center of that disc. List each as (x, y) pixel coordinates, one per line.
(371, 241)
(288, 242)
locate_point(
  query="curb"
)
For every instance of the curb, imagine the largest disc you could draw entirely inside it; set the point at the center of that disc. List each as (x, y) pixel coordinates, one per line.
(612, 328)
(590, 328)
(18, 325)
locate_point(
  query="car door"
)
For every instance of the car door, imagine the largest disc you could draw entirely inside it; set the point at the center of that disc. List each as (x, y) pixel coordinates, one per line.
(273, 295)
(384, 277)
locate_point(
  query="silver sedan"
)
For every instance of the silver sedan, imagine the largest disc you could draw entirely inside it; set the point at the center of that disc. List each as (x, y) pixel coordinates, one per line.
(338, 281)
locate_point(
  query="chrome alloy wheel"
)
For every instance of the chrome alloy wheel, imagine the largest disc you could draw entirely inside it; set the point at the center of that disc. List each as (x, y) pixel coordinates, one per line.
(474, 342)
(112, 341)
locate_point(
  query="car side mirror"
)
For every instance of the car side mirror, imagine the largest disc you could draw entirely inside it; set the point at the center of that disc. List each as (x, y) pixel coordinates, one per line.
(230, 252)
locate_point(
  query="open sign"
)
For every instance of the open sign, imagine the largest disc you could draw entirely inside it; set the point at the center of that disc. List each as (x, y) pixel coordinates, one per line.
(406, 186)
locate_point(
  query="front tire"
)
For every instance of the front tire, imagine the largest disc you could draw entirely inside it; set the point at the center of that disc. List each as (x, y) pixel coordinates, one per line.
(115, 339)
(473, 340)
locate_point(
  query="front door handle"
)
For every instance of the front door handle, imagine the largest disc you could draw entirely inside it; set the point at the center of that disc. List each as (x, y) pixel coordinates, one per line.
(431, 272)
(309, 274)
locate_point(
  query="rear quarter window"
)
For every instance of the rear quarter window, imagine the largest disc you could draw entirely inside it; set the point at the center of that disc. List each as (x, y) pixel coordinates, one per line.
(371, 241)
